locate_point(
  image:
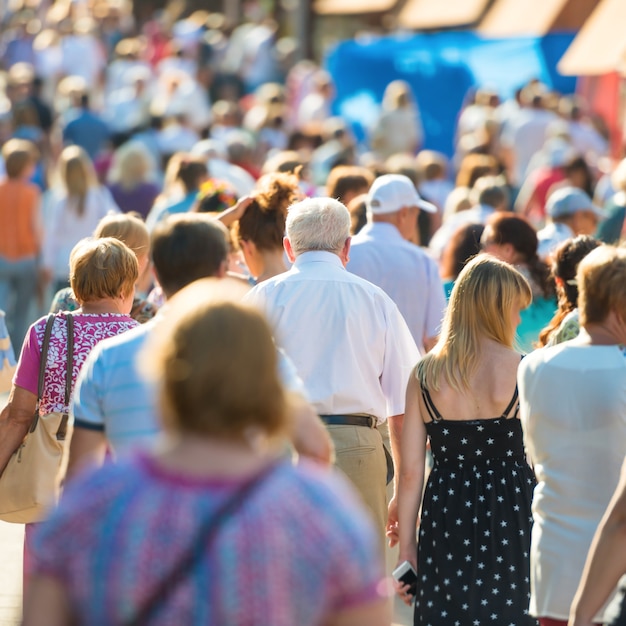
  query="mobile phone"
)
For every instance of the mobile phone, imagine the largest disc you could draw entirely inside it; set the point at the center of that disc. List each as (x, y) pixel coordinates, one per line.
(406, 575)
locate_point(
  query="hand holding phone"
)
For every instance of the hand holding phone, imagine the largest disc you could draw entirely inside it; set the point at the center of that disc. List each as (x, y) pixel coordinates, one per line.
(406, 576)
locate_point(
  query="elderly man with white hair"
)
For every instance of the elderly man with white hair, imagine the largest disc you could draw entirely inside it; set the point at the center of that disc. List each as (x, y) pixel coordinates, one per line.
(347, 339)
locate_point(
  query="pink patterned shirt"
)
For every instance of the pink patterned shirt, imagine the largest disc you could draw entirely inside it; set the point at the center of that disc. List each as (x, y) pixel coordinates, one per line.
(89, 329)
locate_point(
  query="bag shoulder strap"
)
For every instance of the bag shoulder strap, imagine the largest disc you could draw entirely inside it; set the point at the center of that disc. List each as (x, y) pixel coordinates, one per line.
(197, 549)
(44, 354)
(69, 318)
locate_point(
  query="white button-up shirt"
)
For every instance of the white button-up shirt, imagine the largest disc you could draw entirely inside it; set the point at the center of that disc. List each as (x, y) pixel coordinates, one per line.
(405, 273)
(346, 337)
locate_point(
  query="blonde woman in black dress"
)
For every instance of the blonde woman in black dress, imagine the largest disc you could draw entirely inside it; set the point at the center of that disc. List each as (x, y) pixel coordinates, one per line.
(472, 557)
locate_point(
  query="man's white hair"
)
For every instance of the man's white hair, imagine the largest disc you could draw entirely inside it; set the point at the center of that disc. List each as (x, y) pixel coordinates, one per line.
(318, 224)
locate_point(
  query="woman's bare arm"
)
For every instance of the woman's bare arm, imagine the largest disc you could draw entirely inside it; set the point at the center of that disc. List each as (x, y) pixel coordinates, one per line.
(606, 561)
(46, 603)
(15, 420)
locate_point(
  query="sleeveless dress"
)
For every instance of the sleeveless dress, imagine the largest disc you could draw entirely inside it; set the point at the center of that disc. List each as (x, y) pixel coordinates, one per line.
(474, 537)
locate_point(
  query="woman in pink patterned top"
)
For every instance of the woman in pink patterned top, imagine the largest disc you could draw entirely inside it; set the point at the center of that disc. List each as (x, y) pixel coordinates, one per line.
(103, 276)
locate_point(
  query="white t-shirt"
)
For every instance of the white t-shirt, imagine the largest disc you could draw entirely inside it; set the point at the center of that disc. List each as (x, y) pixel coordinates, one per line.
(573, 411)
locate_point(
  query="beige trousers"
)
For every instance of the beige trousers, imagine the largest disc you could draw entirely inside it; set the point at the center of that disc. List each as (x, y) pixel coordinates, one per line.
(360, 456)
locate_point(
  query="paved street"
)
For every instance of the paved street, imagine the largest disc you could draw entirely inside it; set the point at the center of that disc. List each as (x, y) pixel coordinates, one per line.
(11, 541)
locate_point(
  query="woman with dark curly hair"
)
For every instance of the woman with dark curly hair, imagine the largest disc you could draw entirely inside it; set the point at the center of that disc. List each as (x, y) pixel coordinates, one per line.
(260, 225)
(565, 325)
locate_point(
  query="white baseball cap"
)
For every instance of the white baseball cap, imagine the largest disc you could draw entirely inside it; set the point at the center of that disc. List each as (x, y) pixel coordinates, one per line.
(392, 192)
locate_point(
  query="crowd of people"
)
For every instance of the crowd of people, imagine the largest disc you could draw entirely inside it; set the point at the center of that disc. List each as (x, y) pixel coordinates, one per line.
(256, 296)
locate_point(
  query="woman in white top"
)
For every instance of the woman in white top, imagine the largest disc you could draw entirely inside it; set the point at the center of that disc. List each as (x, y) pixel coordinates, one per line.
(74, 214)
(573, 411)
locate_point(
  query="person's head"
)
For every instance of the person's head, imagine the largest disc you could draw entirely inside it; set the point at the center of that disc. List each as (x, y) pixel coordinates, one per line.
(346, 182)
(463, 246)
(485, 303)
(618, 177)
(601, 278)
(19, 157)
(77, 174)
(358, 213)
(262, 227)
(132, 165)
(320, 224)
(511, 238)
(226, 113)
(572, 206)
(191, 172)
(431, 165)
(393, 199)
(187, 247)
(102, 269)
(491, 191)
(475, 166)
(579, 174)
(323, 83)
(131, 230)
(458, 200)
(402, 163)
(215, 196)
(565, 263)
(287, 161)
(397, 95)
(215, 361)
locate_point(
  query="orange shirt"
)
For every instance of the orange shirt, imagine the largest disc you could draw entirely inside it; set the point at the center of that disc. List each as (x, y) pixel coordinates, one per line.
(19, 206)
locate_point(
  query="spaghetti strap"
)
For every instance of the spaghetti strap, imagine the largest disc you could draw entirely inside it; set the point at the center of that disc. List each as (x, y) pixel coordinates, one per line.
(513, 403)
(435, 416)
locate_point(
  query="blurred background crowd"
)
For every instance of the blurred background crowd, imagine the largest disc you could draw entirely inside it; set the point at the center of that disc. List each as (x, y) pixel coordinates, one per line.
(107, 106)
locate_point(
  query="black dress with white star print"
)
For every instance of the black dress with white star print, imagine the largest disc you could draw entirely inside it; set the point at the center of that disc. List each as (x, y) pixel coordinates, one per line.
(474, 537)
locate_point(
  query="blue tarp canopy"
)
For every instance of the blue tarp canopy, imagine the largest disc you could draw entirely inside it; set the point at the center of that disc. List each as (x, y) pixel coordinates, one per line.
(441, 68)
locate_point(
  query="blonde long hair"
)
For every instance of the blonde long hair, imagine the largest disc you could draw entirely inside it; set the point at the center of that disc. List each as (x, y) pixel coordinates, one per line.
(77, 175)
(480, 307)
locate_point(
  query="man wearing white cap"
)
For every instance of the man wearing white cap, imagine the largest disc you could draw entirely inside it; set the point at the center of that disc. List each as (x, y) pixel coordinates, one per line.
(348, 342)
(572, 213)
(382, 253)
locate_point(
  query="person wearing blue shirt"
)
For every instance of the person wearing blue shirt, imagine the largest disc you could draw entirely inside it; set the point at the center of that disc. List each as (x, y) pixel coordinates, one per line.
(87, 130)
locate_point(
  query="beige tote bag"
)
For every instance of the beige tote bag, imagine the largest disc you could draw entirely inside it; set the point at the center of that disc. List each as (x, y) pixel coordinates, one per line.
(31, 482)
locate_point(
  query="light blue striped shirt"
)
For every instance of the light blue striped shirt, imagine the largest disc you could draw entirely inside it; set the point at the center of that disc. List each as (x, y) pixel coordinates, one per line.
(111, 394)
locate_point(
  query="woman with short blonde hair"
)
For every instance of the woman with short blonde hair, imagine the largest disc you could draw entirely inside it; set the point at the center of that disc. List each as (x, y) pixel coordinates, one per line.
(103, 275)
(131, 230)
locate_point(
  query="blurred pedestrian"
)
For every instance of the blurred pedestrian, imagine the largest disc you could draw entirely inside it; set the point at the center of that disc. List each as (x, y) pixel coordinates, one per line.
(573, 410)
(512, 239)
(74, 214)
(354, 367)
(20, 236)
(192, 516)
(475, 527)
(103, 275)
